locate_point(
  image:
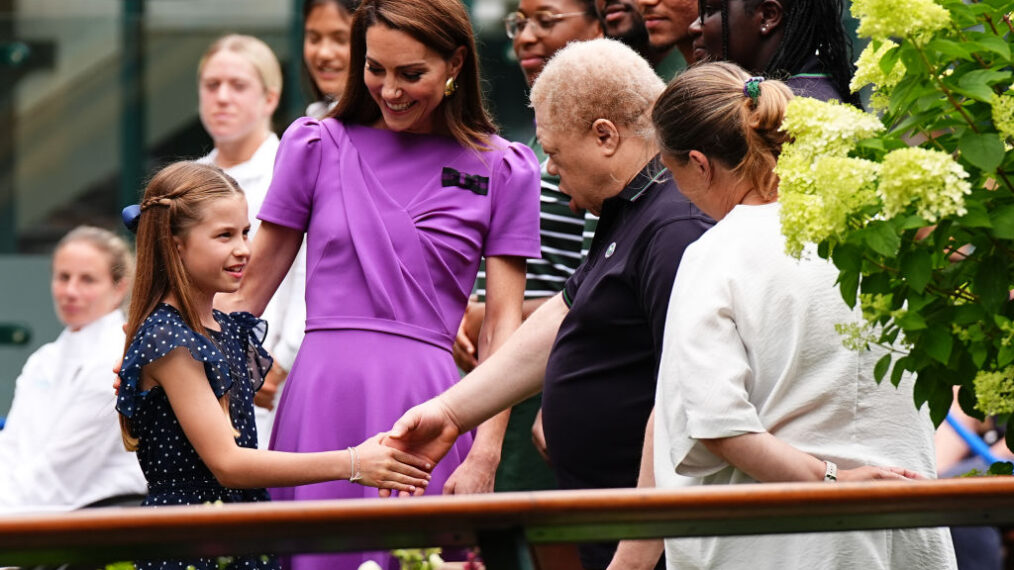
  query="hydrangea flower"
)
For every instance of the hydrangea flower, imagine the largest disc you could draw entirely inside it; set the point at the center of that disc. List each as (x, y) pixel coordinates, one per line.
(1003, 113)
(820, 187)
(995, 391)
(929, 178)
(868, 72)
(822, 128)
(883, 19)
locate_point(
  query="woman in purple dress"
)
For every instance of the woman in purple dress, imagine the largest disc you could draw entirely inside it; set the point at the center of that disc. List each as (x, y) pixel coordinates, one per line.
(400, 191)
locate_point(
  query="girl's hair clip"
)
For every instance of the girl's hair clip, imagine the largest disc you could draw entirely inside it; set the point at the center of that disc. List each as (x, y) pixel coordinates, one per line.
(131, 216)
(751, 88)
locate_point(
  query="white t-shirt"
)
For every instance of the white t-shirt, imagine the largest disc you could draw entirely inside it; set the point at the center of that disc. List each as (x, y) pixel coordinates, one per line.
(286, 311)
(61, 447)
(750, 346)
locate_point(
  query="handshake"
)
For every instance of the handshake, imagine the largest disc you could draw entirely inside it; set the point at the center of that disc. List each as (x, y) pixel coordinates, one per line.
(400, 460)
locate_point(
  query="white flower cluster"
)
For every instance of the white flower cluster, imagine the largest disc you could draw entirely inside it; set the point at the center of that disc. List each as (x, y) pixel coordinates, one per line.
(883, 19)
(869, 72)
(931, 179)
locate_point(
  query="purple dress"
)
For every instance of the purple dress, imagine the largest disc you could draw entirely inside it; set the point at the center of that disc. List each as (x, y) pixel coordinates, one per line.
(394, 240)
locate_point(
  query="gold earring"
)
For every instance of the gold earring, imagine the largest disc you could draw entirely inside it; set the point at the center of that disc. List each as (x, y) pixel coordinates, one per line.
(450, 87)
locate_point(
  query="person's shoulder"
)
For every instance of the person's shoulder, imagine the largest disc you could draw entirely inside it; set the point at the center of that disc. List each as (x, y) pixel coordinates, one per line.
(512, 159)
(304, 131)
(666, 204)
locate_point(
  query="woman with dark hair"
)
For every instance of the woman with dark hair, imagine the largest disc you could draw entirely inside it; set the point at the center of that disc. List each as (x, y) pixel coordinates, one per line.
(801, 42)
(327, 29)
(400, 190)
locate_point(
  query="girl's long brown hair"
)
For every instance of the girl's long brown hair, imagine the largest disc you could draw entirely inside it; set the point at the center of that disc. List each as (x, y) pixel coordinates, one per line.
(172, 204)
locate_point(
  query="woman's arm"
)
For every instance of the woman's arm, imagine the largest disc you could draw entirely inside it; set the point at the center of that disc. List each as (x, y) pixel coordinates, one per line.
(210, 431)
(272, 252)
(769, 459)
(505, 287)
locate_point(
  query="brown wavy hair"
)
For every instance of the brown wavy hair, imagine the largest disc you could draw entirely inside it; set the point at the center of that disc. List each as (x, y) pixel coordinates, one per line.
(441, 25)
(706, 109)
(173, 203)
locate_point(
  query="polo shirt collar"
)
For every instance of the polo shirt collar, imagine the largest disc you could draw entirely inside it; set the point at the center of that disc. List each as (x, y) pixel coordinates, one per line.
(645, 180)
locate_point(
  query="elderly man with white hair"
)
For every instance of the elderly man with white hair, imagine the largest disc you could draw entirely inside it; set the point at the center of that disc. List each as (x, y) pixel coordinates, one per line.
(593, 349)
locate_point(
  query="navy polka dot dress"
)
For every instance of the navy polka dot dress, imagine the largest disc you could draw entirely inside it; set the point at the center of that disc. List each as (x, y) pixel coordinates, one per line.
(234, 362)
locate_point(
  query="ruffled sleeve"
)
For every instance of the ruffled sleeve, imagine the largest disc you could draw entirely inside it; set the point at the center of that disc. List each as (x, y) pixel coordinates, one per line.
(290, 197)
(162, 332)
(514, 219)
(251, 333)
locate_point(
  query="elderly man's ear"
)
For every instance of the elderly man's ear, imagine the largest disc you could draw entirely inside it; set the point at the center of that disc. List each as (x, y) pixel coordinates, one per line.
(607, 136)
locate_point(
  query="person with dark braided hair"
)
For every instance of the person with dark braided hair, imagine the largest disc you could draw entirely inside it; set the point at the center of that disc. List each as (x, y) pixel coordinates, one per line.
(801, 42)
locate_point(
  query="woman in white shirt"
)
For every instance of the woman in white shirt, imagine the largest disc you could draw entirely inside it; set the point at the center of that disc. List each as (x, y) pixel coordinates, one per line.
(60, 448)
(754, 383)
(239, 86)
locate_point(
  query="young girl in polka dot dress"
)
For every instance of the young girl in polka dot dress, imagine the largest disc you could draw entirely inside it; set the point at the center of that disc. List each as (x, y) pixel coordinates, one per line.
(189, 372)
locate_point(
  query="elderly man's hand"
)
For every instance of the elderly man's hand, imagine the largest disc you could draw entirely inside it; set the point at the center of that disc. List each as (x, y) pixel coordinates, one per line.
(427, 430)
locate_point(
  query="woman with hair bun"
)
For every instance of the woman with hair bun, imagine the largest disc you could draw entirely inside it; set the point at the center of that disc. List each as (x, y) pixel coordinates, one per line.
(754, 383)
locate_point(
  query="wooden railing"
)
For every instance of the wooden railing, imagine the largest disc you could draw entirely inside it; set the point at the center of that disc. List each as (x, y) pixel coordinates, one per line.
(502, 524)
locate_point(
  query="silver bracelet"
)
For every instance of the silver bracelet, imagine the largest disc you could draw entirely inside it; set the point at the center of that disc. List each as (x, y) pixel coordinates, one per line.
(354, 474)
(830, 472)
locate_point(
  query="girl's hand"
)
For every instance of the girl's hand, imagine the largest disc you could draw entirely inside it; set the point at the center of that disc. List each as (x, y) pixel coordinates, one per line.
(874, 473)
(389, 468)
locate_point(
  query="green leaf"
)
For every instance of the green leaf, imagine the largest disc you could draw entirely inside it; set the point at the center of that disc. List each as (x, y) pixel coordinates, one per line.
(991, 283)
(984, 150)
(911, 321)
(996, 45)
(1001, 468)
(890, 59)
(848, 284)
(1005, 356)
(1003, 222)
(976, 84)
(978, 353)
(938, 343)
(959, 50)
(917, 268)
(968, 314)
(881, 238)
(847, 257)
(976, 215)
(899, 370)
(881, 367)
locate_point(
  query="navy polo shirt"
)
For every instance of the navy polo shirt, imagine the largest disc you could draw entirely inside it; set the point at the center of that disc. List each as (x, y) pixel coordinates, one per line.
(600, 378)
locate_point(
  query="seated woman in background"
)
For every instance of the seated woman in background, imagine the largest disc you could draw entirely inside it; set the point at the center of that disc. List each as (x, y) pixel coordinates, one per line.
(239, 85)
(60, 448)
(754, 383)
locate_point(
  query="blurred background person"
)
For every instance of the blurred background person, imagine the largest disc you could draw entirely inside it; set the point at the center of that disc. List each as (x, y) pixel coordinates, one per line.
(60, 448)
(538, 29)
(668, 24)
(327, 29)
(239, 83)
(621, 20)
(802, 42)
